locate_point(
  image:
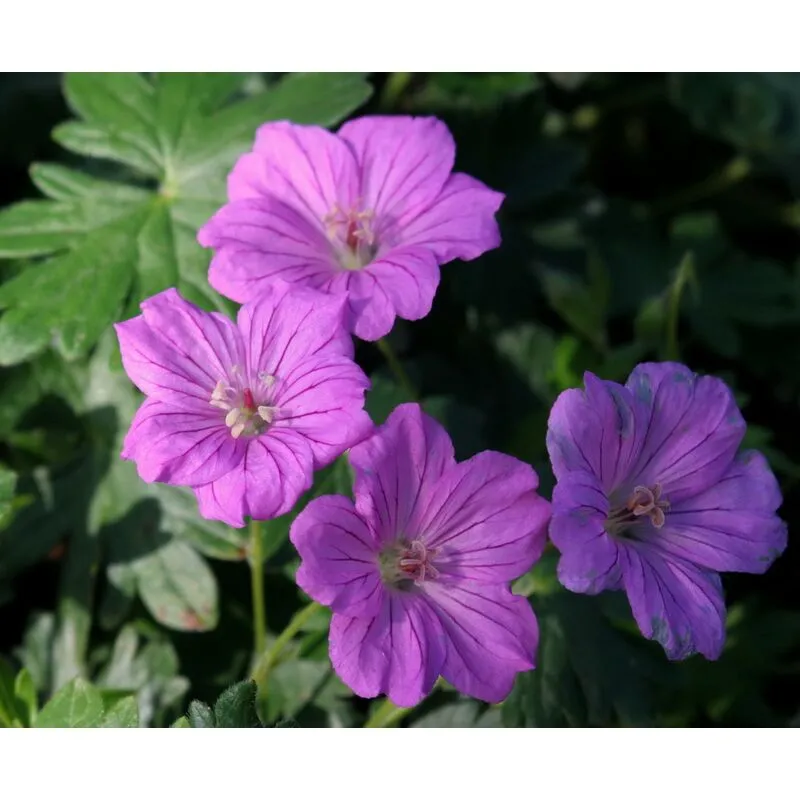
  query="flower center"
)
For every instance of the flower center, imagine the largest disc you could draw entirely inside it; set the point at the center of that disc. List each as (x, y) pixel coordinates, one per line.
(352, 236)
(643, 502)
(404, 563)
(248, 412)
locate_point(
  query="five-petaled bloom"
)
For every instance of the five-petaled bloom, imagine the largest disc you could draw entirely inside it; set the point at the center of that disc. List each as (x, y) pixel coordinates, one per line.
(242, 413)
(653, 498)
(417, 571)
(369, 213)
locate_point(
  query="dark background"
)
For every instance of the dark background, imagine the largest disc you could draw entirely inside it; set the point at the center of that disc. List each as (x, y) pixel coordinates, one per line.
(648, 216)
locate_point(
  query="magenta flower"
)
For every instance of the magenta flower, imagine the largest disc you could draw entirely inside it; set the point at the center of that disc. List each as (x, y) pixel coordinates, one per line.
(653, 499)
(242, 414)
(369, 213)
(417, 571)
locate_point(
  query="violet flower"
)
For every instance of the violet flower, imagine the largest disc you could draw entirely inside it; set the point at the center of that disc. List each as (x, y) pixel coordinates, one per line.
(242, 413)
(417, 571)
(369, 213)
(652, 498)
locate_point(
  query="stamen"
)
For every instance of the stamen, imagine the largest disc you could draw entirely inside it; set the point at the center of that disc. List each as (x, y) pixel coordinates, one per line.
(644, 501)
(405, 563)
(243, 413)
(352, 235)
(267, 413)
(267, 379)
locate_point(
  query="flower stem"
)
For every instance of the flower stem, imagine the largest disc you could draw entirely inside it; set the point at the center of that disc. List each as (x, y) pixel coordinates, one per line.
(257, 586)
(732, 173)
(684, 275)
(387, 715)
(397, 368)
(268, 660)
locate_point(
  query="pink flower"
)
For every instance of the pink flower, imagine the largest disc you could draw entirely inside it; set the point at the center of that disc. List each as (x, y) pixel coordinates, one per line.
(242, 414)
(417, 571)
(369, 213)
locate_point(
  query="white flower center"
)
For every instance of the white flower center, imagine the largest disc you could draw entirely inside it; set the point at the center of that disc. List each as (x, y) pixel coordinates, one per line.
(248, 411)
(352, 236)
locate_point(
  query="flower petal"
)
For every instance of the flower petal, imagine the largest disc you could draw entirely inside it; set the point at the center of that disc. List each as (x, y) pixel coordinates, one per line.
(409, 277)
(304, 166)
(485, 519)
(322, 398)
(370, 310)
(599, 430)
(730, 527)
(492, 635)
(340, 560)
(460, 223)
(693, 432)
(396, 470)
(404, 163)
(589, 561)
(288, 324)
(261, 240)
(222, 500)
(183, 448)
(175, 352)
(674, 602)
(399, 652)
(276, 469)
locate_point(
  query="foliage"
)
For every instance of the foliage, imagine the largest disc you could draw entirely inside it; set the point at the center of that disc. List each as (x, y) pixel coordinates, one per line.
(647, 217)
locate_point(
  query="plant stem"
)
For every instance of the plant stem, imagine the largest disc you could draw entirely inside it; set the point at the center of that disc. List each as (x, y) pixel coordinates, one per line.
(732, 173)
(684, 274)
(397, 368)
(387, 715)
(257, 585)
(268, 660)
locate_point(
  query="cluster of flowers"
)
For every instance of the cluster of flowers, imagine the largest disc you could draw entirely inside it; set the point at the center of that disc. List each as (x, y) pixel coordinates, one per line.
(328, 235)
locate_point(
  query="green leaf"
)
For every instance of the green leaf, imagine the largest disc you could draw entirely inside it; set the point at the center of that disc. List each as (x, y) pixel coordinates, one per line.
(294, 685)
(71, 299)
(76, 705)
(530, 350)
(8, 483)
(461, 90)
(122, 714)
(64, 183)
(40, 227)
(25, 693)
(36, 651)
(581, 305)
(462, 714)
(177, 587)
(112, 244)
(200, 715)
(754, 111)
(236, 707)
(13, 711)
(587, 674)
(149, 669)
(383, 397)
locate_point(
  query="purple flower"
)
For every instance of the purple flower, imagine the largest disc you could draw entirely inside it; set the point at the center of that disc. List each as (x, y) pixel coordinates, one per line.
(369, 213)
(242, 413)
(417, 571)
(652, 498)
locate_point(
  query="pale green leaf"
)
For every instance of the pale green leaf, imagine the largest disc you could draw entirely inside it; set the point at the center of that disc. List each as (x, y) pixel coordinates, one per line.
(123, 714)
(76, 705)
